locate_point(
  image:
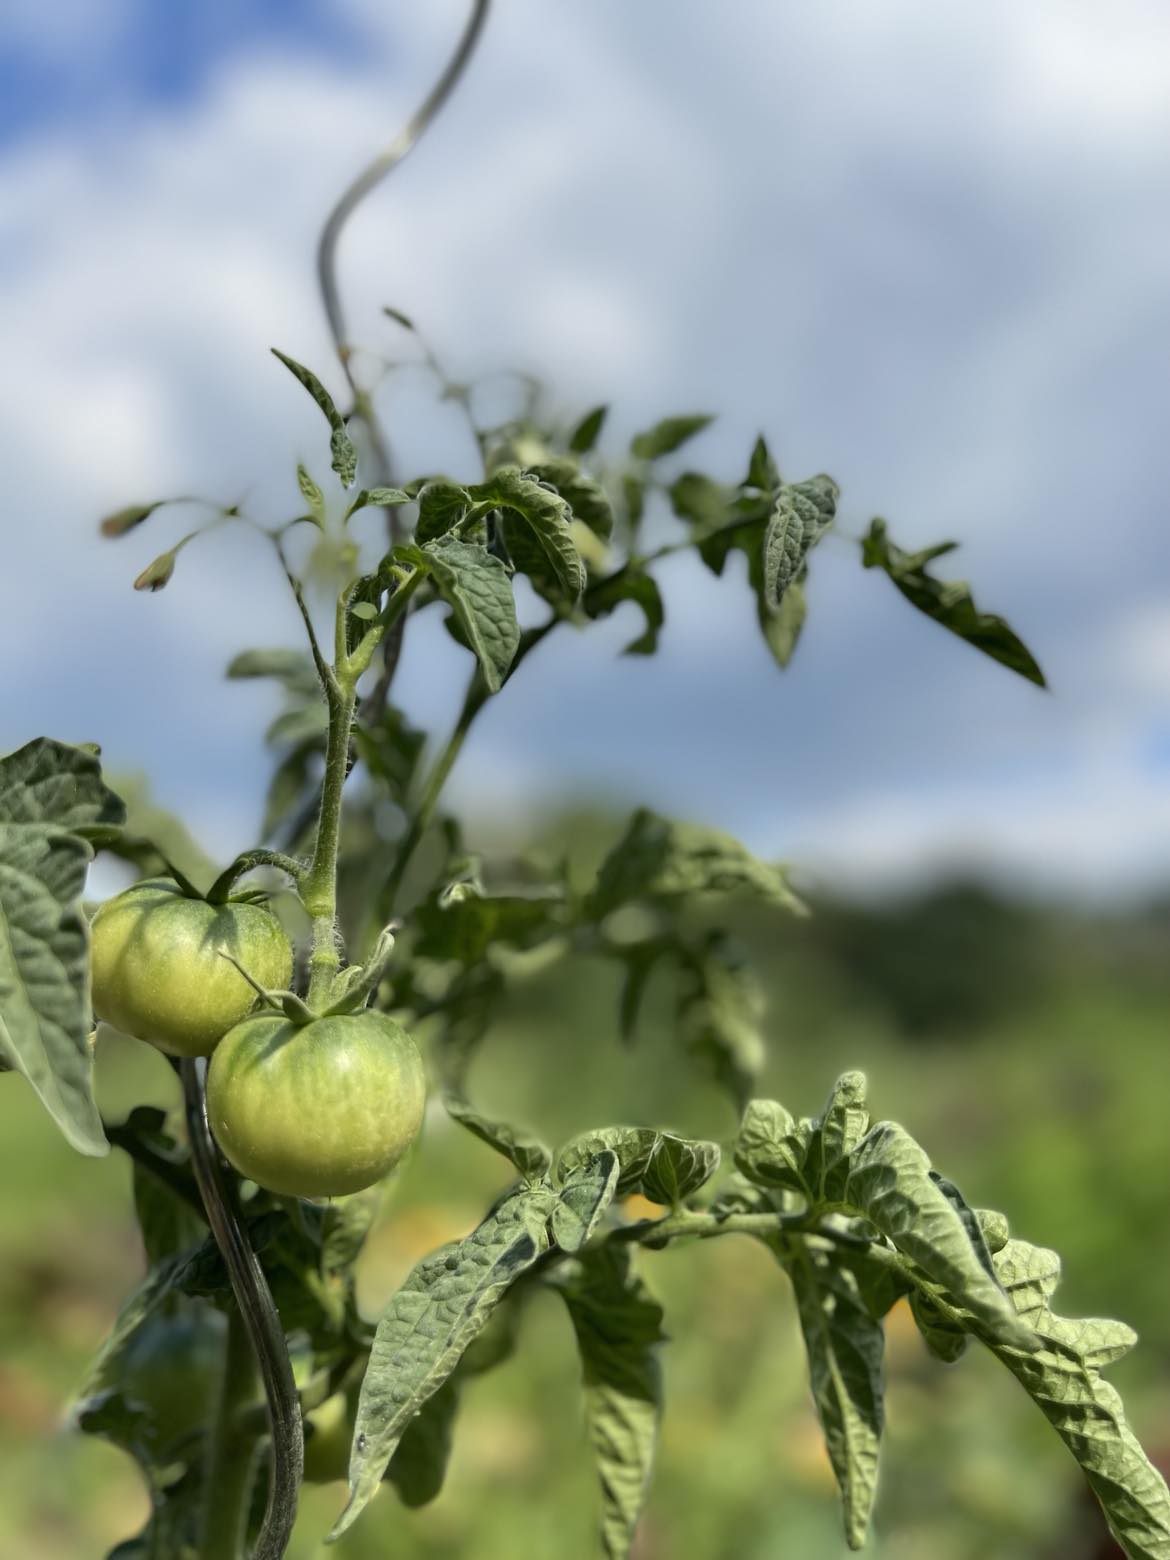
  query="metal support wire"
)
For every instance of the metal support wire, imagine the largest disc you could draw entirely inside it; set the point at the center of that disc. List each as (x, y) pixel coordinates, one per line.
(260, 1318)
(373, 174)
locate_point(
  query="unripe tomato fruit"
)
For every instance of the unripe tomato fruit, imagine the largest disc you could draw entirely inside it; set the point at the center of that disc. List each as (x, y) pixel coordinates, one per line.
(173, 1369)
(318, 1109)
(158, 971)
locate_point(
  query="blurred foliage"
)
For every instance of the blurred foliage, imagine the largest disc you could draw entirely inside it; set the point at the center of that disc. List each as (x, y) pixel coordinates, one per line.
(1025, 1041)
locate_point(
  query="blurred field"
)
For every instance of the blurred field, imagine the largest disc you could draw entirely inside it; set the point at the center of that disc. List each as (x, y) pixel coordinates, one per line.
(1026, 1047)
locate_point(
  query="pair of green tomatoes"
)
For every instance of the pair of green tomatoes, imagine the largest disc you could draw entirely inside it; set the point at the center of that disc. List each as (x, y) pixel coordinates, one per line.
(316, 1109)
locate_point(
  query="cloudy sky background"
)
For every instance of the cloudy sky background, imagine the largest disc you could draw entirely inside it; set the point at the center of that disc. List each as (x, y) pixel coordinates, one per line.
(923, 248)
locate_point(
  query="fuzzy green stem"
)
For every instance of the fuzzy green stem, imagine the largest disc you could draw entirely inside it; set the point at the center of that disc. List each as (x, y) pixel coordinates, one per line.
(248, 862)
(703, 1225)
(353, 665)
(231, 1451)
(319, 885)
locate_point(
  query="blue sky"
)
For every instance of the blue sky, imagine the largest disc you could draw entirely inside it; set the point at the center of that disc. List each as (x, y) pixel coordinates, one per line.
(122, 58)
(923, 248)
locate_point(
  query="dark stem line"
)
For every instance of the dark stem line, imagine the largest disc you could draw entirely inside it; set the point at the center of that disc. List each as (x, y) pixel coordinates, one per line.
(261, 1319)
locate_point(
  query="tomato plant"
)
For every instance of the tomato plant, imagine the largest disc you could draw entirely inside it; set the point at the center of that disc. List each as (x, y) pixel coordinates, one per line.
(257, 1209)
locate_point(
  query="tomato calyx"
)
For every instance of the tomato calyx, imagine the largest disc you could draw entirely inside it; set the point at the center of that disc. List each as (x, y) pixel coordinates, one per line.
(355, 985)
(352, 989)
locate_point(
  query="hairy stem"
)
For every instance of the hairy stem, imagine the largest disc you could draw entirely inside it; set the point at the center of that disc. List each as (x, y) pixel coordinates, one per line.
(226, 881)
(319, 885)
(231, 1452)
(653, 1232)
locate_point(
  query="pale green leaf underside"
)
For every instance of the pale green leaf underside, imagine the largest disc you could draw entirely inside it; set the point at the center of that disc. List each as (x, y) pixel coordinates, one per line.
(440, 1309)
(800, 517)
(889, 1183)
(619, 1327)
(844, 1345)
(476, 587)
(1062, 1377)
(51, 795)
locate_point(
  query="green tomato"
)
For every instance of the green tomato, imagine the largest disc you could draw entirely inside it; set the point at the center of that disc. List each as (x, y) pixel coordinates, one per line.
(319, 1109)
(158, 969)
(172, 1367)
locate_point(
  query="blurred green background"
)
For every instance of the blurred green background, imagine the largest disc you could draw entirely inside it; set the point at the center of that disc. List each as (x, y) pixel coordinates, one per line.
(1024, 1044)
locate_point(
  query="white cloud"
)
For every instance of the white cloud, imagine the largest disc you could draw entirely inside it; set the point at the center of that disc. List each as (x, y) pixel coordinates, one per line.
(924, 248)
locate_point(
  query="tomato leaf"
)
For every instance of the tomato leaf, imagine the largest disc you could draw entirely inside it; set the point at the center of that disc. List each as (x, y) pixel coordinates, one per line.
(700, 501)
(1063, 1378)
(53, 807)
(475, 585)
(543, 541)
(762, 473)
(441, 505)
(465, 926)
(311, 494)
(677, 1167)
(293, 668)
(530, 1157)
(585, 435)
(772, 1147)
(844, 1345)
(949, 603)
(630, 583)
(340, 445)
(801, 516)
(667, 435)
(618, 1325)
(781, 627)
(586, 498)
(666, 1167)
(842, 1125)
(660, 859)
(419, 1466)
(719, 1011)
(443, 1305)
(585, 1195)
(888, 1182)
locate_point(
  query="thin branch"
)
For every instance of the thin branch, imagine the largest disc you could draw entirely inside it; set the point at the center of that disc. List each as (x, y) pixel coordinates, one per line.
(260, 1317)
(324, 670)
(248, 862)
(373, 174)
(369, 178)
